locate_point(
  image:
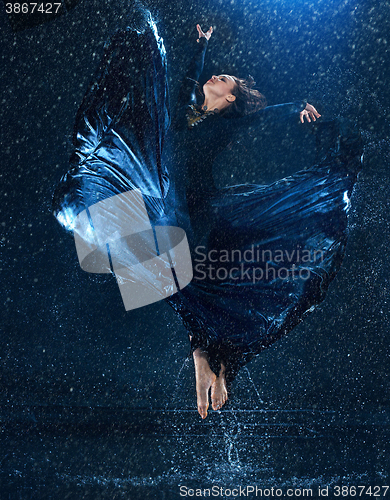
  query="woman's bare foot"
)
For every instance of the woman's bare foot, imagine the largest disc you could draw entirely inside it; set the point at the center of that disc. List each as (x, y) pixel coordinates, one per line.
(205, 378)
(219, 393)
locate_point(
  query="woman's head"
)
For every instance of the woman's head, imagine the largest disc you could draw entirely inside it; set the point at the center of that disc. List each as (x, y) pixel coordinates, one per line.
(220, 89)
(248, 100)
(240, 98)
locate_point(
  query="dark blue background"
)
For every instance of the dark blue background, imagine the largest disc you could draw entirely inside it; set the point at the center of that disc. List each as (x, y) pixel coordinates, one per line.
(66, 339)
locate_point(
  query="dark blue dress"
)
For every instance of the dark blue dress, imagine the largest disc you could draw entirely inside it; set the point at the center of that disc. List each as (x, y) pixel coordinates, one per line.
(263, 255)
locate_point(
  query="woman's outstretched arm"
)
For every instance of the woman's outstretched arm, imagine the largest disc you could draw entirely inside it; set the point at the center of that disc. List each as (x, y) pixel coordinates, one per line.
(281, 111)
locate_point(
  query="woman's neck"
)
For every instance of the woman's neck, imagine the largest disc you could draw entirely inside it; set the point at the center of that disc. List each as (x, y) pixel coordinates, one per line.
(212, 104)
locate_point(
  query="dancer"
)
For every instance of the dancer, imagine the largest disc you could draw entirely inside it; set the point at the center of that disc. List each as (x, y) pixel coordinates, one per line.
(263, 256)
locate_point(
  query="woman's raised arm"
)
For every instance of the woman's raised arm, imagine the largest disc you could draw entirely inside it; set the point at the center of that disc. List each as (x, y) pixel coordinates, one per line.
(188, 86)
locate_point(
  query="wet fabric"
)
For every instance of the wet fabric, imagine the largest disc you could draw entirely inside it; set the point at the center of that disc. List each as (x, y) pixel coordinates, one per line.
(263, 255)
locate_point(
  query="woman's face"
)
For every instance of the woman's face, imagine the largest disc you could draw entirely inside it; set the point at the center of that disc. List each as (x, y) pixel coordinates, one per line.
(219, 86)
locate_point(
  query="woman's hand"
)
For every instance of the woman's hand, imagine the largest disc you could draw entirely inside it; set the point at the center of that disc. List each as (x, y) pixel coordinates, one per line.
(206, 35)
(310, 113)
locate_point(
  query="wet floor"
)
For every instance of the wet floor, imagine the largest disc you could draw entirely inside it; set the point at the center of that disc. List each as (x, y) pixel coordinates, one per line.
(59, 453)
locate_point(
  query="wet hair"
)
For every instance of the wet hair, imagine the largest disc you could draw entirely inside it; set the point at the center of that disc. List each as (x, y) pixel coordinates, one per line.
(248, 100)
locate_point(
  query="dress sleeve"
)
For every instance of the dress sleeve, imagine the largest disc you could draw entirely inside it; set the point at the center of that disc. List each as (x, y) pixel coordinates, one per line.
(188, 86)
(272, 113)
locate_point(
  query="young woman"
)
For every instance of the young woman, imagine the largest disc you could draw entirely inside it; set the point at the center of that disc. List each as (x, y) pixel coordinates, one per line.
(263, 256)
